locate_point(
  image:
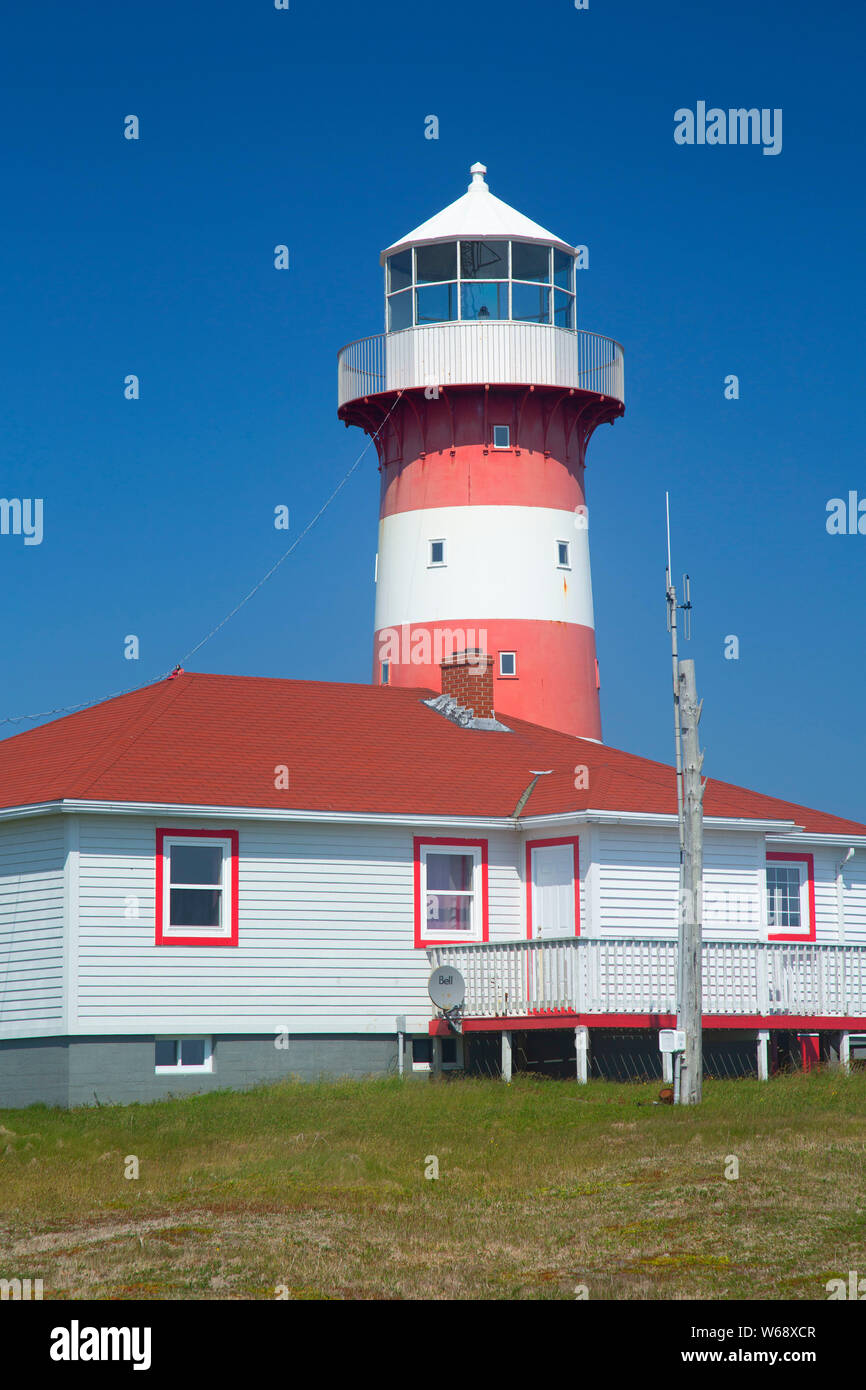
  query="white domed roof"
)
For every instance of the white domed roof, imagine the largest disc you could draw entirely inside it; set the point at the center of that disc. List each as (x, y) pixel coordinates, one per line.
(477, 216)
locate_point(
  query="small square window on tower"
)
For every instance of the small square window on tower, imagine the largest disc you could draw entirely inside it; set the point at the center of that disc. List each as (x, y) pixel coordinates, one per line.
(502, 436)
(563, 555)
(437, 553)
(508, 663)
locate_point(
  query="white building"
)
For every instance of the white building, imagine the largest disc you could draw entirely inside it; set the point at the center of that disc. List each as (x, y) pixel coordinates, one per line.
(218, 880)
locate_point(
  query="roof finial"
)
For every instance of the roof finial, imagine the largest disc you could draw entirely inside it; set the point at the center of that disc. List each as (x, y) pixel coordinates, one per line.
(478, 171)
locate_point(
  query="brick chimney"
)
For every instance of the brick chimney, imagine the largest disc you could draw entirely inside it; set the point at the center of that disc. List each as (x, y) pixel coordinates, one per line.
(468, 678)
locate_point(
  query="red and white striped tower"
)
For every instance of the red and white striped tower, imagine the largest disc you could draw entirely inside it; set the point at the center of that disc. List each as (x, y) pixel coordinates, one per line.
(482, 395)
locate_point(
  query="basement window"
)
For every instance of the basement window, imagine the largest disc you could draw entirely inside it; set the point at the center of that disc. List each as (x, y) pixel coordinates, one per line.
(437, 554)
(790, 897)
(196, 888)
(187, 1055)
(450, 891)
(508, 663)
(422, 1054)
(502, 436)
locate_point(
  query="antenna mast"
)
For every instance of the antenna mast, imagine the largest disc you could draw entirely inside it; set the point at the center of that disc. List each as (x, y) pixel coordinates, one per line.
(688, 1063)
(673, 605)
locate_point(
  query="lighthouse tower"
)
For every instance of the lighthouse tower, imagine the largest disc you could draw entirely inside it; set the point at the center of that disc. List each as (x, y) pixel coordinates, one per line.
(481, 396)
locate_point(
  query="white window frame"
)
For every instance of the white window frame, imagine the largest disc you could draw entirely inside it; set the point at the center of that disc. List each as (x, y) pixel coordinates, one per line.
(509, 675)
(507, 428)
(437, 564)
(559, 563)
(476, 931)
(179, 1069)
(775, 930)
(224, 930)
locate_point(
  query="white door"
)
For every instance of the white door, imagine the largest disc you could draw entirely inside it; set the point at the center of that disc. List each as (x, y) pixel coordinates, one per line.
(553, 890)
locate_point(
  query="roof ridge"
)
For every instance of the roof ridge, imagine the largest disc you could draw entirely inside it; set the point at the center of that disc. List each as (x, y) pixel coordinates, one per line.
(165, 694)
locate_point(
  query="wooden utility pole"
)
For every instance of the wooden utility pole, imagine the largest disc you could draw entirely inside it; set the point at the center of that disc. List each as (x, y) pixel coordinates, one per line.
(689, 1009)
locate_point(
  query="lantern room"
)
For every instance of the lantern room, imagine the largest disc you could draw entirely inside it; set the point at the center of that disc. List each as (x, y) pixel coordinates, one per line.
(478, 260)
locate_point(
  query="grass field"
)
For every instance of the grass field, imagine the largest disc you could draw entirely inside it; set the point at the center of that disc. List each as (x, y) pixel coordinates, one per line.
(543, 1186)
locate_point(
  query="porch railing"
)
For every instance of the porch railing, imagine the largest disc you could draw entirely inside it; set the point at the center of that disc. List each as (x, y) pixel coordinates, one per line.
(637, 975)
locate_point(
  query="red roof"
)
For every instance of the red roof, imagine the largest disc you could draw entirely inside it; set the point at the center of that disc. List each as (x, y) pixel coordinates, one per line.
(208, 740)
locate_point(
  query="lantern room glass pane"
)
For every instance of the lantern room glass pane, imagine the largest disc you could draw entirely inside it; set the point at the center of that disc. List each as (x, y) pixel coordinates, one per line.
(484, 301)
(436, 263)
(400, 311)
(530, 303)
(562, 270)
(530, 262)
(436, 303)
(484, 260)
(563, 309)
(400, 270)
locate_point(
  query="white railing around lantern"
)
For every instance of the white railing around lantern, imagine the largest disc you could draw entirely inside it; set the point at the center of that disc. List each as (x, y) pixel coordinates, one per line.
(637, 975)
(496, 352)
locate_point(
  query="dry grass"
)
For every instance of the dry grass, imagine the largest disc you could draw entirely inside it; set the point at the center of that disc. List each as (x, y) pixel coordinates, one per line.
(543, 1186)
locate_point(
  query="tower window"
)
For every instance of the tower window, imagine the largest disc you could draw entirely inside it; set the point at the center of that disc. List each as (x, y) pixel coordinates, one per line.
(386, 673)
(437, 553)
(563, 555)
(508, 663)
(502, 436)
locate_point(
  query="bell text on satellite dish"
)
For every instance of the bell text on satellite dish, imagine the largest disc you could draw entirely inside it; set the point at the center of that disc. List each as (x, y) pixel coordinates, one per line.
(446, 987)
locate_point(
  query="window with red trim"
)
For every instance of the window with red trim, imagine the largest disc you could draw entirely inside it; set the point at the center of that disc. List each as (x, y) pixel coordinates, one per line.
(450, 891)
(790, 897)
(196, 887)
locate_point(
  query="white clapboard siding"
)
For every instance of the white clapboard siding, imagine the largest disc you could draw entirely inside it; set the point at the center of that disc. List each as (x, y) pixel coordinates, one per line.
(326, 932)
(734, 884)
(827, 904)
(854, 896)
(638, 882)
(32, 856)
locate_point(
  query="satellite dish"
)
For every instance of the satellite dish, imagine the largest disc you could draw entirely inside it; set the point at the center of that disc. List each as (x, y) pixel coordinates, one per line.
(446, 987)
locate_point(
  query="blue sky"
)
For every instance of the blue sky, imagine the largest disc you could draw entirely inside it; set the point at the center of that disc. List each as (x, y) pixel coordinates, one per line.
(306, 127)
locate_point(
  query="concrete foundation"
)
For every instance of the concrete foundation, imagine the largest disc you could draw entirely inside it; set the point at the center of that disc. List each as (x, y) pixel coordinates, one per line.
(118, 1070)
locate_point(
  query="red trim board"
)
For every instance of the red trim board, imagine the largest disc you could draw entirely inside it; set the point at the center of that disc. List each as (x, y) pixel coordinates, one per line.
(530, 1022)
(543, 844)
(232, 939)
(809, 861)
(419, 842)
